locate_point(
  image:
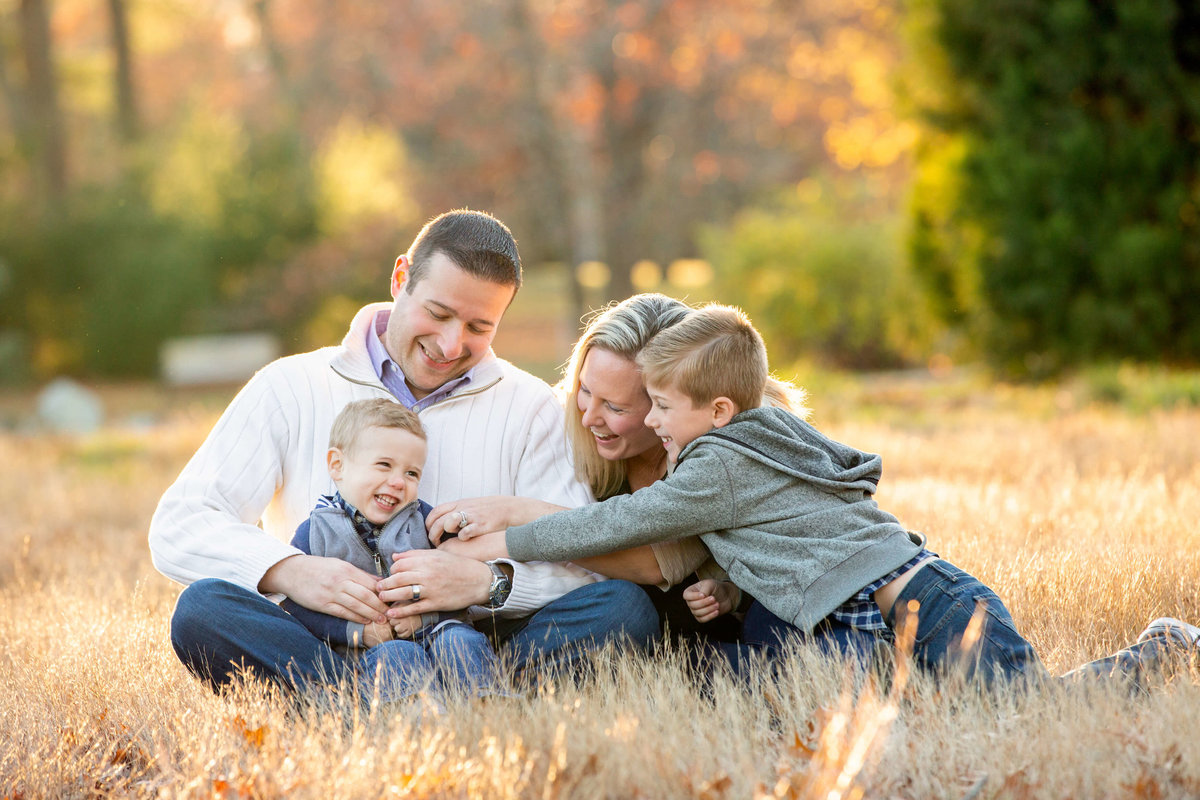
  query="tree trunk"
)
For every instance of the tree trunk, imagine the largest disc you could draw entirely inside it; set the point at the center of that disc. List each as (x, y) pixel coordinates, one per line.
(128, 126)
(270, 44)
(12, 101)
(574, 187)
(45, 124)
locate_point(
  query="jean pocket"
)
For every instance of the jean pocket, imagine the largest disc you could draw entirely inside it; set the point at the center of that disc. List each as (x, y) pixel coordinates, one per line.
(976, 634)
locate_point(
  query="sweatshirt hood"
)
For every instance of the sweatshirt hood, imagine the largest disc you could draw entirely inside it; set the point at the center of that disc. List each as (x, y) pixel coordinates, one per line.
(785, 442)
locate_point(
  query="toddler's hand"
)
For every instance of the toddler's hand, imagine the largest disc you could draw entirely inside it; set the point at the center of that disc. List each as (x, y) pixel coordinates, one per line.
(709, 599)
(376, 633)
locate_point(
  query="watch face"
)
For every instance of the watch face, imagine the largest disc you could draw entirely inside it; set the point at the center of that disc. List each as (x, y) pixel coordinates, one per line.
(501, 587)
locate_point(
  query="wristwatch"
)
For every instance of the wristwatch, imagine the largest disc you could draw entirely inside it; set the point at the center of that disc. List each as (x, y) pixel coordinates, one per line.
(501, 586)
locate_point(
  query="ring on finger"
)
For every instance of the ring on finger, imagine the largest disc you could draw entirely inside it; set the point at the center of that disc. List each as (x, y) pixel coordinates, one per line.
(416, 589)
(462, 520)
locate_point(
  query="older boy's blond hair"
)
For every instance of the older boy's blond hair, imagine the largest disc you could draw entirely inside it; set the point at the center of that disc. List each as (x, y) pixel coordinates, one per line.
(716, 352)
(359, 415)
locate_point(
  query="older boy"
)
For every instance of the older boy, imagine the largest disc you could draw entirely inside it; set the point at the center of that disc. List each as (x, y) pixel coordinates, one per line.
(789, 513)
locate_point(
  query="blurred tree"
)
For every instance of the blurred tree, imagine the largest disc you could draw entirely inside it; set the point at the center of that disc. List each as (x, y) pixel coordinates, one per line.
(44, 131)
(128, 125)
(606, 130)
(1058, 191)
(12, 103)
(600, 130)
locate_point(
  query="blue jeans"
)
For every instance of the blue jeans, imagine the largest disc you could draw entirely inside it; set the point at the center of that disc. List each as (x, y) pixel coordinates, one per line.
(947, 598)
(559, 636)
(764, 634)
(456, 655)
(220, 630)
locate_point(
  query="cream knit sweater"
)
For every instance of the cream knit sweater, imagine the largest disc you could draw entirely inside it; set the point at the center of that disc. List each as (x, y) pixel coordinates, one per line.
(501, 434)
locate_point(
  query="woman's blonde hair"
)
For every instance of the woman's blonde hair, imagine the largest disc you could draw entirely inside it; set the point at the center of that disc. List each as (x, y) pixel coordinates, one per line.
(622, 329)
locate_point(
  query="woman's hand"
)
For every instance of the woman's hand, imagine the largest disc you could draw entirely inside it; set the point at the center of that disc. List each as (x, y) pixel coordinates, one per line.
(479, 515)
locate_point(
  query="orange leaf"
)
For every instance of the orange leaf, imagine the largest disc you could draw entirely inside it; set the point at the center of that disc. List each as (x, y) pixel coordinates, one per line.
(800, 748)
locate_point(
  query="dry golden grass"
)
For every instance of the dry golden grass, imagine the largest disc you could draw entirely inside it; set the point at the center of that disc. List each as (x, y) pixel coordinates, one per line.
(1082, 518)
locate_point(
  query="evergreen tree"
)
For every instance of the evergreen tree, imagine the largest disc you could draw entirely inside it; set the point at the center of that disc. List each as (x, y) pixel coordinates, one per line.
(1057, 202)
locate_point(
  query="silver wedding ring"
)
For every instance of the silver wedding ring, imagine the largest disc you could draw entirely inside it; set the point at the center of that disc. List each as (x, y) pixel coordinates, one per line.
(416, 587)
(462, 520)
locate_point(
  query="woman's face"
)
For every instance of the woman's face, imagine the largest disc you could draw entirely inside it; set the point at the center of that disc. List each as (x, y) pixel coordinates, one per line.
(614, 405)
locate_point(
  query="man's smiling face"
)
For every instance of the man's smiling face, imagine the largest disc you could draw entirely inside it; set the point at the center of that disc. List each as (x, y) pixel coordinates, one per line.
(445, 325)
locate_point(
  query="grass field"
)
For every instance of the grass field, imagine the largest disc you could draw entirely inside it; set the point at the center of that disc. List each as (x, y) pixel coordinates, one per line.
(1083, 517)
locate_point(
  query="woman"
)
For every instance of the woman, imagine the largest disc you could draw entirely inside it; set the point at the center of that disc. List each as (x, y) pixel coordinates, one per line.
(615, 453)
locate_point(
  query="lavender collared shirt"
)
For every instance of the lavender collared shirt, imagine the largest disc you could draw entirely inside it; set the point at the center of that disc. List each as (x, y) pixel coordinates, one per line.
(391, 376)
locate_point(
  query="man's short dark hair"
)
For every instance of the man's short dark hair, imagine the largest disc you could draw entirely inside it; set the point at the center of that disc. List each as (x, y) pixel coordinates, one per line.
(477, 243)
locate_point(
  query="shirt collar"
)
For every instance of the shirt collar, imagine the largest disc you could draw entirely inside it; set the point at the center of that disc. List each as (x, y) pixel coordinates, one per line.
(335, 500)
(392, 378)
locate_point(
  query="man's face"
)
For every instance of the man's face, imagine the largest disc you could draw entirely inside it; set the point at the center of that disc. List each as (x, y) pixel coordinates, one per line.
(676, 420)
(380, 473)
(445, 326)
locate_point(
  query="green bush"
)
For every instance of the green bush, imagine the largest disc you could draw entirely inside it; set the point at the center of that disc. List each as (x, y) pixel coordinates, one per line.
(97, 288)
(823, 286)
(1141, 388)
(1061, 174)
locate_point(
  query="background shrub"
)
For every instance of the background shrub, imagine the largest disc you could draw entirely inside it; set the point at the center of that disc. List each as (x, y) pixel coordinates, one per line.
(824, 286)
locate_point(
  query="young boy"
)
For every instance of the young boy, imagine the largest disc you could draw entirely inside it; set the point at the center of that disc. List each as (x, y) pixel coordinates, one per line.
(375, 457)
(787, 512)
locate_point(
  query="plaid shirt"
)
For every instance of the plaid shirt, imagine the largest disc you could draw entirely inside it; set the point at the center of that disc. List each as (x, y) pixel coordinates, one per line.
(861, 611)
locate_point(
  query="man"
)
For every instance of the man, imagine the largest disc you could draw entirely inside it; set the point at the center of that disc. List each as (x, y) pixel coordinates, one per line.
(492, 429)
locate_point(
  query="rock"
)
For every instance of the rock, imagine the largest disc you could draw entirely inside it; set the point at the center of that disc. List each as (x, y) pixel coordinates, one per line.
(66, 406)
(219, 359)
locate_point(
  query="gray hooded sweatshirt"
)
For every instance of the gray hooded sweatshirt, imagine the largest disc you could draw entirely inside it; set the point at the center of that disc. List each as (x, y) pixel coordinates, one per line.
(785, 510)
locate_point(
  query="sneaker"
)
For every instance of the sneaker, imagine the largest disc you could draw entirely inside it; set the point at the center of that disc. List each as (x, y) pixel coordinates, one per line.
(1171, 628)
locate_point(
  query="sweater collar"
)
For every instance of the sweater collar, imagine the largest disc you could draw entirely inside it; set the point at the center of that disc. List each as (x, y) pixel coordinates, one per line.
(353, 362)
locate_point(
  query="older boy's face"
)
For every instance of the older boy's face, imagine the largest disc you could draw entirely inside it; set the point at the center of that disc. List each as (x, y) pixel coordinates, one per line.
(676, 420)
(380, 473)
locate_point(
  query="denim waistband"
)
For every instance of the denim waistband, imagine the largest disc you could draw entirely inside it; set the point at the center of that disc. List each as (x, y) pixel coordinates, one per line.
(930, 573)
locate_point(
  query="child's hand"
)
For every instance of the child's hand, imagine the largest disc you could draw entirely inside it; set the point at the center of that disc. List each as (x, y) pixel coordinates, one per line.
(709, 599)
(376, 633)
(405, 627)
(481, 547)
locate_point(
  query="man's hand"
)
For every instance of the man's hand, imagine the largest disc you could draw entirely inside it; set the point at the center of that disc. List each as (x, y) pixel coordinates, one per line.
(328, 585)
(709, 599)
(446, 582)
